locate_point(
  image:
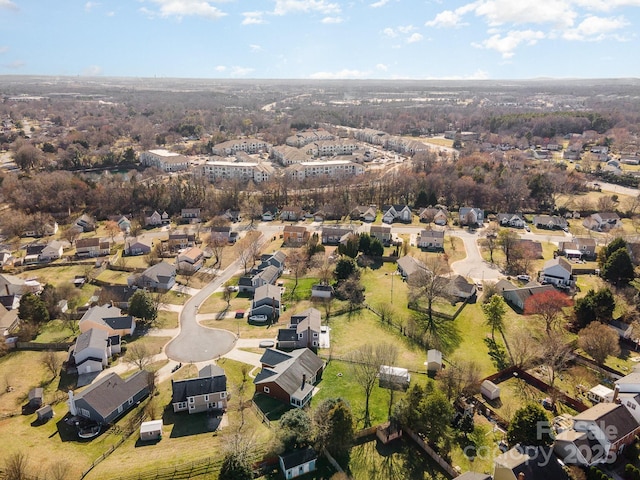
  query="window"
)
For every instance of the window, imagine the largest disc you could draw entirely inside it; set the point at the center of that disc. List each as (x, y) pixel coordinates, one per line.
(223, 394)
(315, 335)
(266, 389)
(130, 400)
(206, 398)
(191, 399)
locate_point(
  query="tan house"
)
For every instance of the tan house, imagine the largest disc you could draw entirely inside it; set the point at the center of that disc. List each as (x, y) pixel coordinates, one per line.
(191, 260)
(93, 247)
(205, 393)
(430, 239)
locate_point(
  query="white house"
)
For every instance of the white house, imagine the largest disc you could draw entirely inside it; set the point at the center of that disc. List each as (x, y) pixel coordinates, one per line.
(557, 272)
(298, 462)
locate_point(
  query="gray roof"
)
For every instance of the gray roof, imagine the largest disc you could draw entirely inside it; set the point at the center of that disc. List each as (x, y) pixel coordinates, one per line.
(310, 318)
(269, 274)
(287, 335)
(210, 379)
(92, 338)
(410, 265)
(614, 419)
(473, 476)
(108, 315)
(267, 291)
(527, 460)
(111, 391)
(289, 371)
(160, 272)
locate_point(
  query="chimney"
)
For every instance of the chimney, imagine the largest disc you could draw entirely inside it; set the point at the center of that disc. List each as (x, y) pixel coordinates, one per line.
(72, 404)
(616, 391)
(304, 380)
(521, 476)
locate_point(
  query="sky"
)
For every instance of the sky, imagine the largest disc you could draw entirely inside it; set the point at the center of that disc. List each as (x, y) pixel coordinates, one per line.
(322, 39)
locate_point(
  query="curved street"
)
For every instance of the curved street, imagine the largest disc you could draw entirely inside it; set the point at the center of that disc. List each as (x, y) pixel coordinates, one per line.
(474, 266)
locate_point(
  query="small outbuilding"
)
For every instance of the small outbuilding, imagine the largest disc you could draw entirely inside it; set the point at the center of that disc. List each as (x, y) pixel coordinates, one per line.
(490, 390)
(298, 462)
(44, 414)
(35, 397)
(600, 394)
(151, 430)
(394, 377)
(434, 360)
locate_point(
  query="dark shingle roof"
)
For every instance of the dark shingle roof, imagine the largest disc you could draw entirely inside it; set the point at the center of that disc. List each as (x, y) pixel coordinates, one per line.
(111, 391)
(191, 387)
(298, 457)
(92, 338)
(291, 369)
(287, 335)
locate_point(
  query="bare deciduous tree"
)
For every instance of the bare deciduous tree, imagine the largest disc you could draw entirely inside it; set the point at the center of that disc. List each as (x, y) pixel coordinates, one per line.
(52, 361)
(430, 283)
(599, 341)
(139, 355)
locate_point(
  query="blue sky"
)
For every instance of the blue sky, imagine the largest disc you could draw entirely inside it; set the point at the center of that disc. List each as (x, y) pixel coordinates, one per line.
(381, 39)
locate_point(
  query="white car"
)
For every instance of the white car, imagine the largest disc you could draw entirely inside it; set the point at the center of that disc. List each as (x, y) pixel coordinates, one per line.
(258, 318)
(524, 278)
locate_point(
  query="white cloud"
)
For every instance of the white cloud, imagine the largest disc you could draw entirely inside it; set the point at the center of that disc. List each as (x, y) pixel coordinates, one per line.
(382, 67)
(253, 18)
(379, 3)
(240, 71)
(406, 28)
(415, 37)
(8, 4)
(111, 14)
(332, 20)
(595, 28)
(90, 6)
(185, 8)
(389, 32)
(255, 48)
(284, 7)
(4, 49)
(346, 73)
(606, 5)
(221, 68)
(506, 44)
(446, 19)
(92, 71)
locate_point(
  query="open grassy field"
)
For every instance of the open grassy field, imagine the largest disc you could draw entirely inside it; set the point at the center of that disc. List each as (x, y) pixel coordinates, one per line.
(167, 319)
(56, 331)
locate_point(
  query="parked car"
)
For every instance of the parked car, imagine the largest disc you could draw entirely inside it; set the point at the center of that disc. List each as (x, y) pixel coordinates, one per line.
(524, 278)
(258, 318)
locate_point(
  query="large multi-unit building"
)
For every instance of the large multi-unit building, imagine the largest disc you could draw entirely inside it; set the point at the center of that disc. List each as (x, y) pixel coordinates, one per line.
(216, 170)
(326, 168)
(247, 145)
(300, 139)
(164, 160)
(327, 148)
(286, 155)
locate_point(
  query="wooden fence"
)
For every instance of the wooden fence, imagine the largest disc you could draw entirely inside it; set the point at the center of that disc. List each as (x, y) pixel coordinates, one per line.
(35, 346)
(260, 414)
(446, 466)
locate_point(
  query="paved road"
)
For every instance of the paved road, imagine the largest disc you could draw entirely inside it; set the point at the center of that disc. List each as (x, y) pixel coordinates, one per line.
(196, 343)
(474, 266)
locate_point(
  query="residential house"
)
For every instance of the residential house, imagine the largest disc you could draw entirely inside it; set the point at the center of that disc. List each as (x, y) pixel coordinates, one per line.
(382, 233)
(277, 259)
(460, 288)
(232, 215)
(137, 246)
(92, 351)
(396, 213)
(470, 216)
(190, 261)
(596, 434)
(269, 214)
(267, 276)
(267, 300)
(109, 397)
(430, 239)
(579, 247)
(155, 219)
(85, 223)
(602, 222)
(517, 296)
(32, 253)
(221, 233)
(289, 377)
(206, 392)
(109, 319)
(116, 295)
(299, 462)
(124, 224)
(295, 235)
(327, 212)
(291, 213)
(159, 277)
(335, 235)
(514, 220)
(557, 272)
(190, 215)
(624, 330)
(365, 213)
(549, 222)
(93, 247)
(181, 240)
(528, 463)
(8, 321)
(12, 285)
(42, 230)
(439, 216)
(52, 251)
(410, 267)
(303, 330)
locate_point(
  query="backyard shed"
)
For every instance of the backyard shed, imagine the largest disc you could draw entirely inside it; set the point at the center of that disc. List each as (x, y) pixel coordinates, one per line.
(394, 377)
(600, 393)
(44, 413)
(434, 360)
(35, 397)
(151, 430)
(490, 390)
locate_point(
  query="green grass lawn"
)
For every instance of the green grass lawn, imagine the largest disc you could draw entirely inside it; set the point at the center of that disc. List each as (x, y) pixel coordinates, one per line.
(113, 277)
(55, 331)
(167, 319)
